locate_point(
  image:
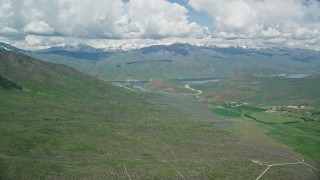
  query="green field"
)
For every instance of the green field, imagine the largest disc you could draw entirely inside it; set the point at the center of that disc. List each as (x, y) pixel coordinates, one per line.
(274, 118)
(300, 131)
(226, 112)
(296, 130)
(246, 108)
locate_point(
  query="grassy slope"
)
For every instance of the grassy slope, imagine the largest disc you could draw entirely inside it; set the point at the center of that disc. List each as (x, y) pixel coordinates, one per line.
(264, 90)
(66, 125)
(6, 84)
(83, 65)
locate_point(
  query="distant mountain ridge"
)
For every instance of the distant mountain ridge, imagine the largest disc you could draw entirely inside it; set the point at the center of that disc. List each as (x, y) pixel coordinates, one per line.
(180, 60)
(10, 47)
(81, 51)
(78, 48)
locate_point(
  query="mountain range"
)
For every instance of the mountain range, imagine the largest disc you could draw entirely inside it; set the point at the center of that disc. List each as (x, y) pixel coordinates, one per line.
(179, 61)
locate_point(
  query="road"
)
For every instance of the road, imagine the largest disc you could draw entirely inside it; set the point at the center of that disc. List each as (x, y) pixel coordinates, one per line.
(123, 86)
(279, 164)
(187, 86)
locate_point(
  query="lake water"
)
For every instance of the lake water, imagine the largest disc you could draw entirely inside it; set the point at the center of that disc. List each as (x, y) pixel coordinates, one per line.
(297, 75)
(201, 81)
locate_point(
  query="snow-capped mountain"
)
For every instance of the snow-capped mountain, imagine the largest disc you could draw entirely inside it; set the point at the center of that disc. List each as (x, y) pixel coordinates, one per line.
(10, 48)
(77, 48)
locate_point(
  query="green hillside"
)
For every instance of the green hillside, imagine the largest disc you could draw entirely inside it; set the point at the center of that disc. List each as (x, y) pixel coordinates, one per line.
(166, 85)
(59, 119)
(66, 125)
(82, 65)
(52, 79)
(7, 84)
(264, 90)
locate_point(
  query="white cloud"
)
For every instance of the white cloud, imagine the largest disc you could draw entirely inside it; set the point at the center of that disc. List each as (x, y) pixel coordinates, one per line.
(6, 10)
(270, 33)
(111, 19)
(157, 19)
(7, 31)
(286, 21)
(44, 41)
(39, 28)
(303, 33)
(41, 23)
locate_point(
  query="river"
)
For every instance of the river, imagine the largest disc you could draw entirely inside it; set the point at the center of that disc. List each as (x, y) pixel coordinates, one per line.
(140, 84)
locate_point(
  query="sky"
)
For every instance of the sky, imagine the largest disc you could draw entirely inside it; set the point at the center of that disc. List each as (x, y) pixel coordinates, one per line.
(36, 24)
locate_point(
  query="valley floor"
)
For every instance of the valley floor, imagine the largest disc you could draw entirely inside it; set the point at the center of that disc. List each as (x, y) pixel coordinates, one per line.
(171, 136)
